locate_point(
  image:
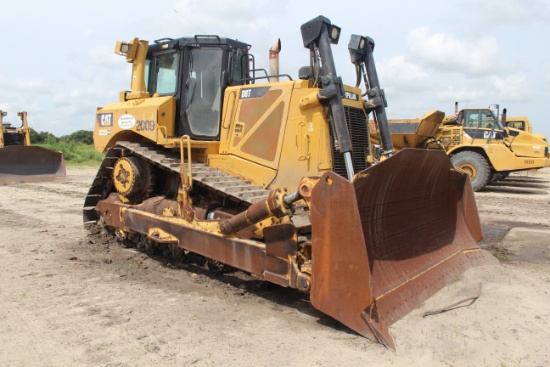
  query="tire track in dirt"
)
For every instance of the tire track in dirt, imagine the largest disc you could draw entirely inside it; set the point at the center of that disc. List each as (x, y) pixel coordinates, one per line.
(53, 190)
(19, 329)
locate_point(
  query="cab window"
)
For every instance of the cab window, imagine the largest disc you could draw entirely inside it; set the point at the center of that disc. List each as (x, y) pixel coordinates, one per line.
(147, 74)
(516, 125)
(204, 93)
(480, 120)
(166, 73)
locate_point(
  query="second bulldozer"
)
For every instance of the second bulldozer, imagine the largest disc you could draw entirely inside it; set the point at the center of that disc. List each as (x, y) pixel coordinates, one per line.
(273, 178)
(19, 160)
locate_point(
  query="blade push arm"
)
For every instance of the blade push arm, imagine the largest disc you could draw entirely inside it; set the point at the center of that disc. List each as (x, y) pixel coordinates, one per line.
(361, 53)
(317, 35)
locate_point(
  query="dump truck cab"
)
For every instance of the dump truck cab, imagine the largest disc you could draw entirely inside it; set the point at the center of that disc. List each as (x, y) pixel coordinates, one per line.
(479, 125)
(519, 123)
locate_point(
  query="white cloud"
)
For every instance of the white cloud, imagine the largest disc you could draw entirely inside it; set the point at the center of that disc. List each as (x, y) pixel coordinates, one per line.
(399, 76)
(482, 91)
(441, 51)
(513, 88)
(39, 85)
(491, 13)
(462, 93)
(227, 17)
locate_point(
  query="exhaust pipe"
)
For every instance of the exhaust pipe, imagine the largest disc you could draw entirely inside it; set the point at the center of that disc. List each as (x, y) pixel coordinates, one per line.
(274, 61)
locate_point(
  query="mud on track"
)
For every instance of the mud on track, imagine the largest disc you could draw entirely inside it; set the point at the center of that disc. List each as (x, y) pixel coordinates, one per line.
(70, 299)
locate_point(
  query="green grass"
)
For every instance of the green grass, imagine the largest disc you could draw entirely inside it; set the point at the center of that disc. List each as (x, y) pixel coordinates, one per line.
(75, 154)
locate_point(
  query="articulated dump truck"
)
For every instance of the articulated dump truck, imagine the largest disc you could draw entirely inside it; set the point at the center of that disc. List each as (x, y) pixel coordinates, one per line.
(20, 161)
(475, 140)
(272, 178)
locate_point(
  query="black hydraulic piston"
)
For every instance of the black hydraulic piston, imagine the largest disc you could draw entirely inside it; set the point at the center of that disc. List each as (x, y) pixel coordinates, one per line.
(319, 33)
(361, 52)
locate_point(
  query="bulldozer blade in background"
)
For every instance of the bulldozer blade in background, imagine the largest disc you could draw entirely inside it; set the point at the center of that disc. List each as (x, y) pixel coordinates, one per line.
(390, 239)
(30, 163)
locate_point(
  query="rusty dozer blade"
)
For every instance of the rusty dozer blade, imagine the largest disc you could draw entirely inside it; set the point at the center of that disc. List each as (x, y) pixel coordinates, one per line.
(390, 239)
(30, 163)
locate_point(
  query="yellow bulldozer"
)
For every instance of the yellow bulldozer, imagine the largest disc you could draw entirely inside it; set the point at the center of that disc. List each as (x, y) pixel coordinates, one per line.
(206, 155)
(475, 140)
(19, 160)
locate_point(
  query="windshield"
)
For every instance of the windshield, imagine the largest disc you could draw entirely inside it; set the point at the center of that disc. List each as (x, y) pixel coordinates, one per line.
(481, 119)
(204, 91)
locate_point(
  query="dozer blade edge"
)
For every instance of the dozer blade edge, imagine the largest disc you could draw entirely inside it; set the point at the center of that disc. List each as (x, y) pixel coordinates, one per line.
(390, 239)
(30, 163)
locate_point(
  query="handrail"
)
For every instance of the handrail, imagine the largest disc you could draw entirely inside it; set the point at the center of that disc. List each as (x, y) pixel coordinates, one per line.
(186, 177)
(163, 130)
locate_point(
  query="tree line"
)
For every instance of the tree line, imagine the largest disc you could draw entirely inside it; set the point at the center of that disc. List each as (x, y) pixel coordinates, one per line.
(78, 137)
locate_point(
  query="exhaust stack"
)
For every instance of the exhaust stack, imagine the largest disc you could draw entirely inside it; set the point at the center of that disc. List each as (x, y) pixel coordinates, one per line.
(274, 60)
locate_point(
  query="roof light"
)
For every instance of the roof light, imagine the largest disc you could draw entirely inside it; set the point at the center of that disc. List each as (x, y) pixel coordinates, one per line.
(334, 34)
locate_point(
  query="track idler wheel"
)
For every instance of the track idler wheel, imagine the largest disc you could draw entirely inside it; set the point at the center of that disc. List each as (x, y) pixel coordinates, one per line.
(132, 178)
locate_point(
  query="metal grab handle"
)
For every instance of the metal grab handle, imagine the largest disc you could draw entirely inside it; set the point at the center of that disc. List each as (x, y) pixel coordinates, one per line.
(162, 130)
(186, 175)
(164, 241)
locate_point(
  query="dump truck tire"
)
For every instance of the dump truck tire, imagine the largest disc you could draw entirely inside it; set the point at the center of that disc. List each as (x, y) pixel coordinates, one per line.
(475, 165)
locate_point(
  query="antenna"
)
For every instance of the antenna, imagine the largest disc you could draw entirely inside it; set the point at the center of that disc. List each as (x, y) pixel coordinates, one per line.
(181, 15)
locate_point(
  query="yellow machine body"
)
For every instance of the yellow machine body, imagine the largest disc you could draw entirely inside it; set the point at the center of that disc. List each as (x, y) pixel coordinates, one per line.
(284, 185)
(273, 140)
(522, 123)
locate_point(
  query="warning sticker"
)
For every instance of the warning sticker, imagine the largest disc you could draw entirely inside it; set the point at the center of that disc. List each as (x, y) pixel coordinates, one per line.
(126, 121)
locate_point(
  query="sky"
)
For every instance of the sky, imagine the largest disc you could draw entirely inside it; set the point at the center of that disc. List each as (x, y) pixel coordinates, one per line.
(58, 63)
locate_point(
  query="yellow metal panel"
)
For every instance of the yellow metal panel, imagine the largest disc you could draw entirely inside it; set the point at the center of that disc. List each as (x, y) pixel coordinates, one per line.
(527, 145)
(504, 159)
(151, 118)
(305, 147)
(274, 133)
(257, 129)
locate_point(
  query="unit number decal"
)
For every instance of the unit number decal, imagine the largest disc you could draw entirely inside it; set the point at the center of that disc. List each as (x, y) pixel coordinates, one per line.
(145, 125)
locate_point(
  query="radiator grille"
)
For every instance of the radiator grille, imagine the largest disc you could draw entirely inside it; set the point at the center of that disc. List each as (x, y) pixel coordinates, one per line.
(357, 124)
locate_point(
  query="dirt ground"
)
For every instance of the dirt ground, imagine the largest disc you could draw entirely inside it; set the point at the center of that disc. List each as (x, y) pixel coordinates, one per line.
(68, 299)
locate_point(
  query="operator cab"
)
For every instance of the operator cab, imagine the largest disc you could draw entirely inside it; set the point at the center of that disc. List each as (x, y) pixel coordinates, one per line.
(196, 71)
(481, 123)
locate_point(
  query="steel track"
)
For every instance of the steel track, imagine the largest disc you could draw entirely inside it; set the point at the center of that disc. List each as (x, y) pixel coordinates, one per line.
(221, 183)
